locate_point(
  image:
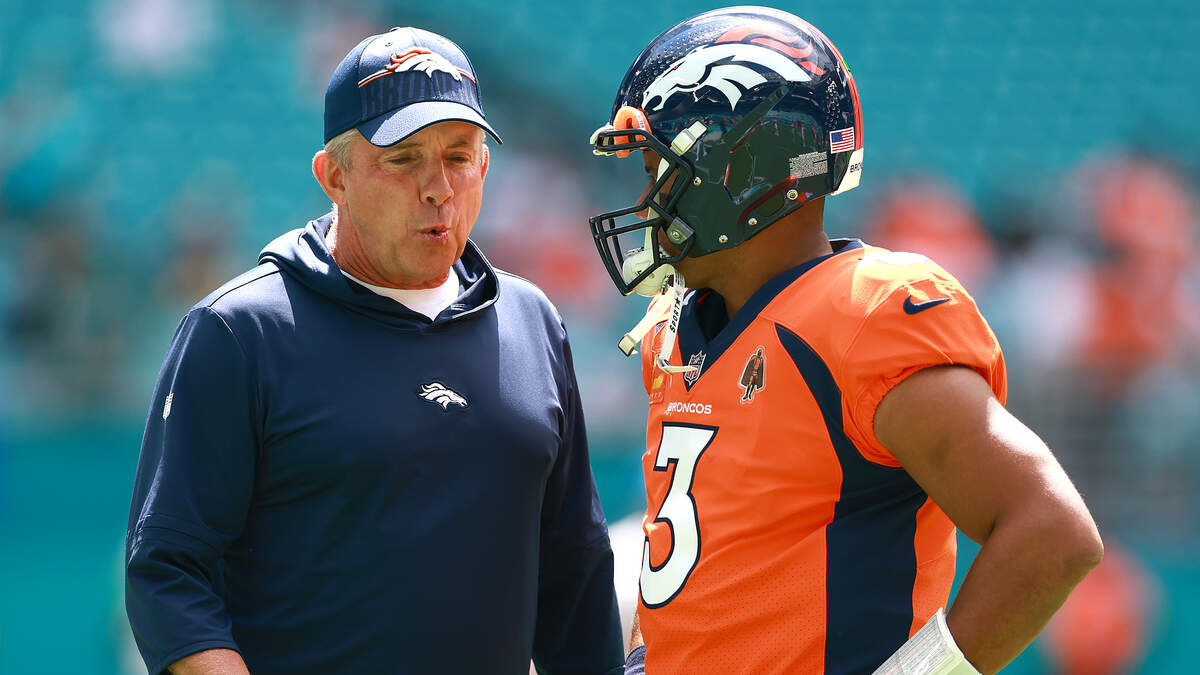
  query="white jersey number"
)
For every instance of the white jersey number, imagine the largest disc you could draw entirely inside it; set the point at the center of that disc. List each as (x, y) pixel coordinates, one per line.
(680, 446)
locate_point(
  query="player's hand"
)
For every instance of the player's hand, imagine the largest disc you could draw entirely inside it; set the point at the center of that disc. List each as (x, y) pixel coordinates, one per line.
(635, 662)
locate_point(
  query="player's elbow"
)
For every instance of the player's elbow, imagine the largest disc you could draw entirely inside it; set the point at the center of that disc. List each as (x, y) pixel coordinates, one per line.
(1072, 541)
(1083, 551)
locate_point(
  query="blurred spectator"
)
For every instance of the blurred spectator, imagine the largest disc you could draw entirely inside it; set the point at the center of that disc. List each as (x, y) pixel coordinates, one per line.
(1104, 627)
(923, 214)
(1143, 312)
(1099, 306)
(537, 215)
(48, 151)
(324, 33)
(201, 222)
(63, 327)
(154, 37)
(199, 227)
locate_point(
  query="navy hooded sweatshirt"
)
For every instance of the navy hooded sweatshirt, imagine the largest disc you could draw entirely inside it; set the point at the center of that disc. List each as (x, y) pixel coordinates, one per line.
(331, 483)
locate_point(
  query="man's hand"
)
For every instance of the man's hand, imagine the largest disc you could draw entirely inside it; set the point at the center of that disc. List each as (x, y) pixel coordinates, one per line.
(210, 662)
(999, 483)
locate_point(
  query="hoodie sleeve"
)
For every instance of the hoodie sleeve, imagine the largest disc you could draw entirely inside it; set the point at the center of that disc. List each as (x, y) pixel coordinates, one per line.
(193, 487)
(578, 623)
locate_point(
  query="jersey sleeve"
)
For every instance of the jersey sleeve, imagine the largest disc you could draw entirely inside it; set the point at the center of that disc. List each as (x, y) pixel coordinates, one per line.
(191, 494)
(578, 621)
(925, 322)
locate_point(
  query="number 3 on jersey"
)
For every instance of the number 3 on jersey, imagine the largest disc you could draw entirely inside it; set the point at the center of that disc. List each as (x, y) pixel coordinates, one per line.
(681, 446)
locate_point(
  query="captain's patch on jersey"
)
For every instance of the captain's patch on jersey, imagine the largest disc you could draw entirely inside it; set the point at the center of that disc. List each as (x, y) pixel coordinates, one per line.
(752, 376)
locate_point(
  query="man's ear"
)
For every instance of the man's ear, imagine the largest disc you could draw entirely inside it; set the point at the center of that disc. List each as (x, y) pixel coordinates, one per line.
(330, 174)
(486, 160)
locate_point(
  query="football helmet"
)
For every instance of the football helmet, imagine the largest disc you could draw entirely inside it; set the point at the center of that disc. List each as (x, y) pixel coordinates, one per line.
(752, 112)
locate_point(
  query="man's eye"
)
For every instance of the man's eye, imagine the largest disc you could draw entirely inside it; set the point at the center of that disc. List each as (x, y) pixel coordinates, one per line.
(400, 160)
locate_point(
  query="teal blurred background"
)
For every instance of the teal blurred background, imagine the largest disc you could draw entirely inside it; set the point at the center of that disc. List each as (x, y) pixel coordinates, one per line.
(1044, 152)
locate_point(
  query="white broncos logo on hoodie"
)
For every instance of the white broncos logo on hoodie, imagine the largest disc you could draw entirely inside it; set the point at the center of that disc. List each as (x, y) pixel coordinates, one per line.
(436, 392)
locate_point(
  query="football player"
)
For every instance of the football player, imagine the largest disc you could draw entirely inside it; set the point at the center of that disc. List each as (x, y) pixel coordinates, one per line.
(822, 413)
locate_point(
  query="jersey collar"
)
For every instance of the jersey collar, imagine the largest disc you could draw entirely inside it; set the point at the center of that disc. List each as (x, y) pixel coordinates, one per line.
(705, 309)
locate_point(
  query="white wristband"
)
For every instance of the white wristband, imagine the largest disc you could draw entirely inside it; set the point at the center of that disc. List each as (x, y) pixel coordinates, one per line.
(931, 651)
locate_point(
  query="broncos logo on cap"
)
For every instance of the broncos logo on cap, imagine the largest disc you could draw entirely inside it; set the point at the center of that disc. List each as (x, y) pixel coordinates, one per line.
(720, 66)
(421, 60)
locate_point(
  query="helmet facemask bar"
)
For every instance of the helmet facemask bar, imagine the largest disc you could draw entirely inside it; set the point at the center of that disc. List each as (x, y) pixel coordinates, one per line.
(606, 230)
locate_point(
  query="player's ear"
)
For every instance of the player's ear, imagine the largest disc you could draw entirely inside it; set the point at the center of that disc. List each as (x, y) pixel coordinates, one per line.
(330, 174)
(486, 160)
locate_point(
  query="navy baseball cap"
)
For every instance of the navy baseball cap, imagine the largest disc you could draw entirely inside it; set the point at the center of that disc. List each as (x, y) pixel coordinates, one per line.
(393, 85)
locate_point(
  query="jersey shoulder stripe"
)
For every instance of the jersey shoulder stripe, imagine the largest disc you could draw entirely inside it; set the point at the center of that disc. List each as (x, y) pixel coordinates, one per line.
(860, 530)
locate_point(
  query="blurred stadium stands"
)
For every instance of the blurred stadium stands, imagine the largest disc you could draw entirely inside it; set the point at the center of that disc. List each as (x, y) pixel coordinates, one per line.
(1046, 152)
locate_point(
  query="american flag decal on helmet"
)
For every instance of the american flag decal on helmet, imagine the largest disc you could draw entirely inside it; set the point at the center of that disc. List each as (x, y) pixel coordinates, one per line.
(841, 140)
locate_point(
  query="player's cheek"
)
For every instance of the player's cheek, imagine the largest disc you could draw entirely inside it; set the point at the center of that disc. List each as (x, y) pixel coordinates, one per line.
(644, 214)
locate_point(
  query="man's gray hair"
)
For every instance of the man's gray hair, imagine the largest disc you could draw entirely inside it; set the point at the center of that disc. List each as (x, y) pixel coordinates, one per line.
(339, 147)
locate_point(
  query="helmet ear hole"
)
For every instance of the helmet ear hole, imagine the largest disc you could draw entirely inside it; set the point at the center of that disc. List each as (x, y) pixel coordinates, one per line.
(737, 175)
(770, 208)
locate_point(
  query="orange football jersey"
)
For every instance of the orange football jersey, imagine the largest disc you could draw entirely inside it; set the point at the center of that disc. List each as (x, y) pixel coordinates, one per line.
(782, 537)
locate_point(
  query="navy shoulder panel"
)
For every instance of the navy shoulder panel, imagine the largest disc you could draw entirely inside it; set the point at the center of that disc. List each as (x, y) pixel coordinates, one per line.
(240, 289)
(527, 294)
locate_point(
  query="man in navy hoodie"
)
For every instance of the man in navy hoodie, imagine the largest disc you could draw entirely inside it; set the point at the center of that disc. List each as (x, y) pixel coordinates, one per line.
(367, 454)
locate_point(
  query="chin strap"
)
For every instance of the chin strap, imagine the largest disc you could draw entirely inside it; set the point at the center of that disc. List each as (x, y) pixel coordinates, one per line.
(677, 291)
(666, 305)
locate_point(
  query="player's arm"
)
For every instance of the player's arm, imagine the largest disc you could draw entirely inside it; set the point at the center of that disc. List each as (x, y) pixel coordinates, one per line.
(211, 662)
(193, 487)
(1001, 486)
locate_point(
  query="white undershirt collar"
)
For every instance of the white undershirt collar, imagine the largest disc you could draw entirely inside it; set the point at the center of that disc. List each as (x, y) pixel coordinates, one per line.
(427, 301)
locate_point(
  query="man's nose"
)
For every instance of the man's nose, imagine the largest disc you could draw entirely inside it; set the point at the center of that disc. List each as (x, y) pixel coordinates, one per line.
(437, 189)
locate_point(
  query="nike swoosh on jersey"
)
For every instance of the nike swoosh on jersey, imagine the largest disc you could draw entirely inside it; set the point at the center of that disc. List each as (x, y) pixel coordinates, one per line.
(911, 307)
